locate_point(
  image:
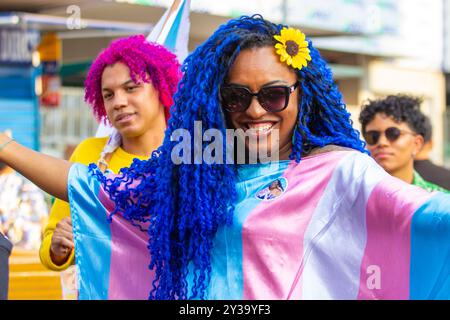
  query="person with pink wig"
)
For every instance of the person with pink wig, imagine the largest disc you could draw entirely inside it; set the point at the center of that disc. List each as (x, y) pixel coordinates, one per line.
(130, 87)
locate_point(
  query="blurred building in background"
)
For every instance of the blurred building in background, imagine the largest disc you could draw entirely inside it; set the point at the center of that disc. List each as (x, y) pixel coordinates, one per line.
(375, 48)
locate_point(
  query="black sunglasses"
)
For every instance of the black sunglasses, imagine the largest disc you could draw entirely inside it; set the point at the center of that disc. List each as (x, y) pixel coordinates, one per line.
(273, 99)
(391, 134)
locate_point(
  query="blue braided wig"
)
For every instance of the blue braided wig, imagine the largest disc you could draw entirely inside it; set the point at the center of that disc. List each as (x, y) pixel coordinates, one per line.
(185, 204)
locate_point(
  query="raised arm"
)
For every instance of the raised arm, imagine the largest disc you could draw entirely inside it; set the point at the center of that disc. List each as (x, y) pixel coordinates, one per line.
(48, 173)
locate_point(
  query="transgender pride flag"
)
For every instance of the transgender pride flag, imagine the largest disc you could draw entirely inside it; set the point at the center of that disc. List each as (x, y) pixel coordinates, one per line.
(334, 226)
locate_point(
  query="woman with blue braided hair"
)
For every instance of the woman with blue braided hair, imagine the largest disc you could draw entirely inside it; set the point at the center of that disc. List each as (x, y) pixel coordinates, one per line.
(339, 227)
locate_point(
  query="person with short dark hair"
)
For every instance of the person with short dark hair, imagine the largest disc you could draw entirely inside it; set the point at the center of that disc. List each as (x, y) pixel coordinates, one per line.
(394, 129)
(425, 167)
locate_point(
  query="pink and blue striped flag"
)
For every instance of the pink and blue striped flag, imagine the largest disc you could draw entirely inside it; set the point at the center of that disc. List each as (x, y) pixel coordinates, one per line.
(334, 226)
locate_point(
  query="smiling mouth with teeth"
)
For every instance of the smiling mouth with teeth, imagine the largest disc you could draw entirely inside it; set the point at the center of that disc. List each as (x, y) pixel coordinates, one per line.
(259, 127)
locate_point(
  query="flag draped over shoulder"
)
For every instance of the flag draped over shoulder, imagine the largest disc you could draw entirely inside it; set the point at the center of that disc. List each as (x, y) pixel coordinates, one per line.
(101, 245)
(334, 226)
(111, 257)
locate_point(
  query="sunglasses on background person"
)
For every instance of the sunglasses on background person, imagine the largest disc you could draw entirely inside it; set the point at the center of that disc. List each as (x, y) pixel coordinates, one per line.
(373, 136)
(272, 98)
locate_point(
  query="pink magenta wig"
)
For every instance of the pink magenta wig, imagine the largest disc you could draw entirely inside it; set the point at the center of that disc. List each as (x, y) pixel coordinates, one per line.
(147, 61)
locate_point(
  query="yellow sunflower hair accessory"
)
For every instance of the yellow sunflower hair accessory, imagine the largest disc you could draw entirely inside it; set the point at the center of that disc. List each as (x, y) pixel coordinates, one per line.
(293, 48)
